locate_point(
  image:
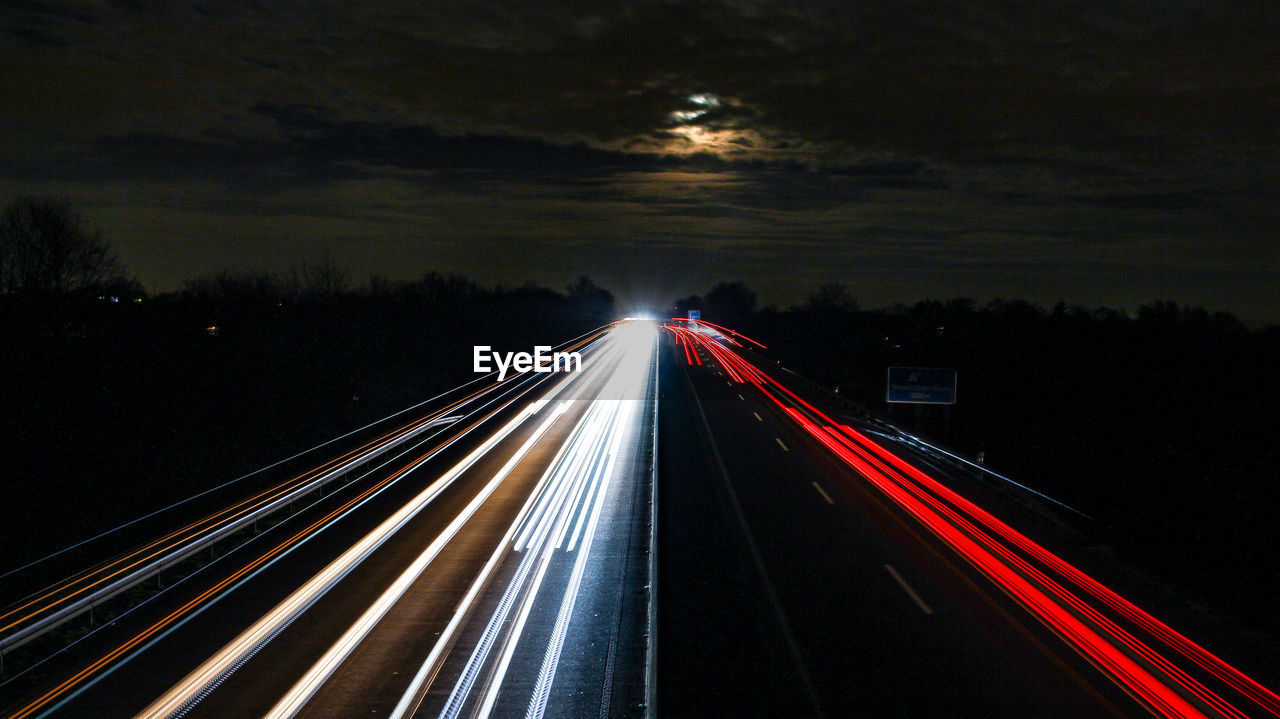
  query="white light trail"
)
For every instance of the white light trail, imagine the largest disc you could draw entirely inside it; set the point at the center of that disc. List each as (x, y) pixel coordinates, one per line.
(429, 665)
(606, 452)
(613, 413)
(301, 692)
(584, 442)
(204, 679)
(193, 687)
(551, 660)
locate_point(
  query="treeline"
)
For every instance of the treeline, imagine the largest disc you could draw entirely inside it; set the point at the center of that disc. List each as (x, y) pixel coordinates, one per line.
(48, 250)
(1159, 423)
(324, 283)
(117, 402)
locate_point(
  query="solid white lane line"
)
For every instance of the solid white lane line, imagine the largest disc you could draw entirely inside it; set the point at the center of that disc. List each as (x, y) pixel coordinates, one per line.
(462, 690)
(567, 477)
(551, 660)
(287, 610)
(651, 635)
(758, 417)
(407, 701)
(582, 486)
(302, 691)
(534, 561)
(600, 465)
(565, 480)
(823, 492)
(907, 588)
(585, 470)
(495, 681)
(780, 444)
(771, 592)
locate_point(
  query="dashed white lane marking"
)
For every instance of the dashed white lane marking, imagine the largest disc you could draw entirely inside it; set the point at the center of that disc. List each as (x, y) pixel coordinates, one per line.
(780, 444)
(744, 399)
(823, 492)
(907, 588)
(758, 417)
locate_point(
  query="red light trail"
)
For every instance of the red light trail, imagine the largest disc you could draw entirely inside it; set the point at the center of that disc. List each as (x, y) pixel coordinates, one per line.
(735, 333)
(988, 544)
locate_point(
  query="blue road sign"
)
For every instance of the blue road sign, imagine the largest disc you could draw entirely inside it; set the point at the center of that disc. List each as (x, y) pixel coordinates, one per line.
(921, 385)
(695, 314)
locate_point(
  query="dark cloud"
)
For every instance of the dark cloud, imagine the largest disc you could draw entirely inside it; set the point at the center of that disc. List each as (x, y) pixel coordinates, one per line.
(423, 148)
(1107, 152)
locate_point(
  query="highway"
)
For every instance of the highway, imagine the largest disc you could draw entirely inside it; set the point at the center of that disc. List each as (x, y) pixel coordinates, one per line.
(500, 567)
(809, 569)
(680, 529)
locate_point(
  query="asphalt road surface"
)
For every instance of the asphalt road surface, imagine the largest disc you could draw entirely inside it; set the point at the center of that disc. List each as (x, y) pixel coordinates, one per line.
(507, 574)
(806, 564)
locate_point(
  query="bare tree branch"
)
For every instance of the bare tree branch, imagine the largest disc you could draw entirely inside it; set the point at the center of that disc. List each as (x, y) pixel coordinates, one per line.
(46, 248)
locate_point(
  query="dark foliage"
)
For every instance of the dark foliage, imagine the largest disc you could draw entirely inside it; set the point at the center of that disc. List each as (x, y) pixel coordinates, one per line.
(732, 302)
(1160, 425)
(47, 249)
(113, 409)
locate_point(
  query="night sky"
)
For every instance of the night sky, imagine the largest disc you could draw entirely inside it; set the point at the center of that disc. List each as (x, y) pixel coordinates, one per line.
(1108, 153)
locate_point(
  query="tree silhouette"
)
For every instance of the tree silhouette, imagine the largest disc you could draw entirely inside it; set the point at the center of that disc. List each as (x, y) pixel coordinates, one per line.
(46, 248)
(322, 279)
(729, 302)
(832, 297)
(245, 286)
(682, 306)
(590, 299)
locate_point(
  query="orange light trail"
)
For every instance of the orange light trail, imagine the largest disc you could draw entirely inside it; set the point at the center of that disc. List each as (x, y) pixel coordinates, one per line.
(77, 585)
(84, 674)
(191, 605)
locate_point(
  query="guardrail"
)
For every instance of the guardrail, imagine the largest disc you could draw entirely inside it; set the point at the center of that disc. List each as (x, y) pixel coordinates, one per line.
(34, 630)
